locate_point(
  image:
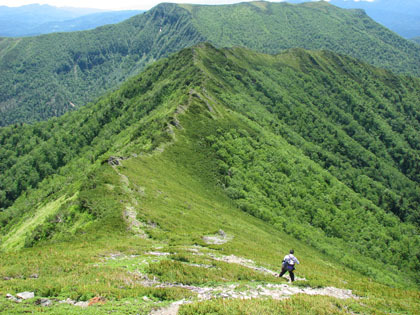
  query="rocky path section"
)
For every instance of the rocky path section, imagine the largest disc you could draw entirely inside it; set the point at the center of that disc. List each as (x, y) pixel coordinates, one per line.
(130, 214)
(232, 259)
(275, 291)
(220, 238)
(172, 309)
(237, 291)
(240, 291)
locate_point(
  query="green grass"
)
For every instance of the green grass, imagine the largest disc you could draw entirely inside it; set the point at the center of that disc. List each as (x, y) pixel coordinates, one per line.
(15, 239)
(203, 154)
(299, 304)
(183, 207)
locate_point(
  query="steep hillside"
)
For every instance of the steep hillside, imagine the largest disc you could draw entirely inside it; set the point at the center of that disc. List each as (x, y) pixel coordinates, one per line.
(190, 183)
(48, 75)
(325, 166)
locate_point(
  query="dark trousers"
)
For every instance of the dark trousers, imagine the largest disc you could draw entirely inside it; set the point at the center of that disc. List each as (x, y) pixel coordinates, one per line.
(284, 269)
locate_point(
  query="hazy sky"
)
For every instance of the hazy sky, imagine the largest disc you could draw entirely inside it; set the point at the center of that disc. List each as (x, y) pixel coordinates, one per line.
(110, 4)
(115, 4)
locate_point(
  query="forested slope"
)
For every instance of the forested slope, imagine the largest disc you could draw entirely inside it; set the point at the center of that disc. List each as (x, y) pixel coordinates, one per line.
(48, 75)
(336, 166)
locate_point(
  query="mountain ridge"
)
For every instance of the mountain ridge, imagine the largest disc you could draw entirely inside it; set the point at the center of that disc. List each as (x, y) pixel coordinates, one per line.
(223, 104)
(92, 62)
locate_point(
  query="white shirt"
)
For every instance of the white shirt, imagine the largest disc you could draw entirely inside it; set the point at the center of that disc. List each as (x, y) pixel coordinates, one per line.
(290, 257)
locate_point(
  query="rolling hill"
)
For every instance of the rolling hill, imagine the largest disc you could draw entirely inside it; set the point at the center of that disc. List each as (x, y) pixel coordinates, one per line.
(202, 171)
(46, 76)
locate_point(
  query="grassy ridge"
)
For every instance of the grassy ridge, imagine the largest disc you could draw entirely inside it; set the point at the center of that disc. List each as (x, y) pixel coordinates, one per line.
(49, 75)
(178, 200)
(298, 172)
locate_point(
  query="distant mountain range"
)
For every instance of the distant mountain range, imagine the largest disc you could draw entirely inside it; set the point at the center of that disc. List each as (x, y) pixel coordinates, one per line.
(48, 75)
(400, 16)
(35, 19)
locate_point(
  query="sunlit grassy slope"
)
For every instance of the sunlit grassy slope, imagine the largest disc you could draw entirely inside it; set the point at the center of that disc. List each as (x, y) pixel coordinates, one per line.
(175, 197)
(205, 142)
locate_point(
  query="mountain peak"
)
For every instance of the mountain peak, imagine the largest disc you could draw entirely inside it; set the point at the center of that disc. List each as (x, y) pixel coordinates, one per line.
(79, 62)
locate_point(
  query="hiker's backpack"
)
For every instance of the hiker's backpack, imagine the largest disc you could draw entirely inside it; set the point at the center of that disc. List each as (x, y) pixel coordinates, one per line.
(290, 263)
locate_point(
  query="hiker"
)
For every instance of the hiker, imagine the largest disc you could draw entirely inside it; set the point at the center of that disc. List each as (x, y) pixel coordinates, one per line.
(288, 264)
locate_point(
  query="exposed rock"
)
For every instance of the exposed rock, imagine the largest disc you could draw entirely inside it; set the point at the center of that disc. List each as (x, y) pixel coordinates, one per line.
(130, 216)
(114, 256)
(82, 304)
(34, 276)
(175, 122)
(25, 295)
(158, 253)
(217, 239)
(115, 160)
(274, 291)
(43, 302)
(145, 280)
(7, 278)
(12, 298)
(67, 301)
(232, 259)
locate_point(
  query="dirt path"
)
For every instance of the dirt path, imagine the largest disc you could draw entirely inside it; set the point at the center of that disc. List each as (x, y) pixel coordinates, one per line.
(130, 214)
(169, 310)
